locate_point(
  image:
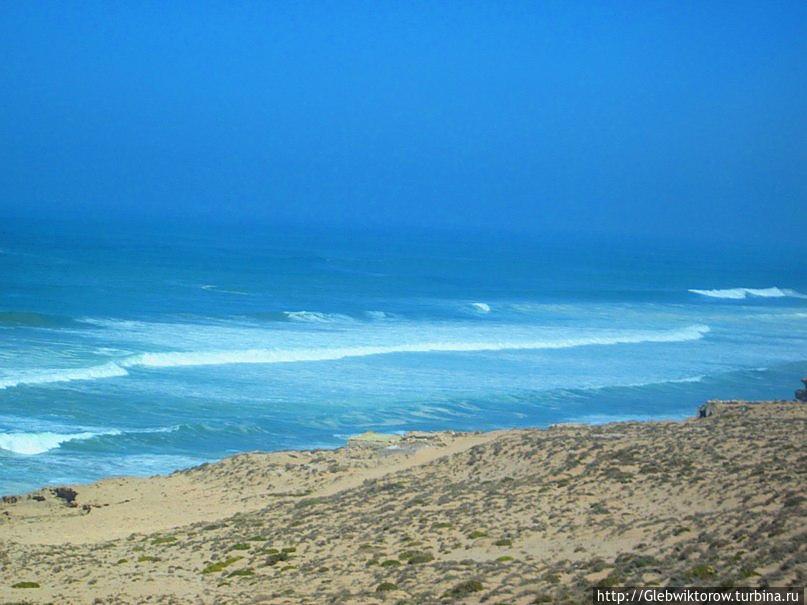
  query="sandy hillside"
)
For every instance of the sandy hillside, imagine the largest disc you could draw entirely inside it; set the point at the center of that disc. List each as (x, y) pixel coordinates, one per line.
(516, 517)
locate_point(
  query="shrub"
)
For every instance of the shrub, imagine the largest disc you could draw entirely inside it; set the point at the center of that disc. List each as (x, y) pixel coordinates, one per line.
(277, 557)
(463, 589)
(390, 563)
(25, 585)
(386, 587)
(220, 565)
(613, 579)
(416, 556)
(702, 572)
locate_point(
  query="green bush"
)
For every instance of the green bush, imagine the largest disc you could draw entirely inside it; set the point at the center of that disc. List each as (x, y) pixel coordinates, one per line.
(390, 563)
(416, 556)
(277, 557)
(702, 572)
(464, 589)
(220, 565)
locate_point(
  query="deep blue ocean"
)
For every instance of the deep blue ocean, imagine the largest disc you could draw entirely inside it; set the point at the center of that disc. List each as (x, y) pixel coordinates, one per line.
(140, 351)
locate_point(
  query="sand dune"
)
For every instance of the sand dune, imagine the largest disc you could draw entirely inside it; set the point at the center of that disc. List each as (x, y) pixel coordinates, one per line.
(521, 516)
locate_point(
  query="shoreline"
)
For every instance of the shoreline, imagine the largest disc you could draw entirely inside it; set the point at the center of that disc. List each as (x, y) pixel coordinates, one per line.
(512, 514)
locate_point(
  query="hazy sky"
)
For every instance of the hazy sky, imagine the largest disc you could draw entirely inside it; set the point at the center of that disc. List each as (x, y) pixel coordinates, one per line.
(677, 118)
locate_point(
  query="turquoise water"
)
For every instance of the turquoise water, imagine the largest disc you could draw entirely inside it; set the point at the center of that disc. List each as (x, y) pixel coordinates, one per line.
(139, 351)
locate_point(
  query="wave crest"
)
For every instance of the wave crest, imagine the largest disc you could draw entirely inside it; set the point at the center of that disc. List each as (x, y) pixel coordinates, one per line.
(171, 359)
(30, 444)
(107, 370)
(743, 293)
(268, 356)
(314, 316)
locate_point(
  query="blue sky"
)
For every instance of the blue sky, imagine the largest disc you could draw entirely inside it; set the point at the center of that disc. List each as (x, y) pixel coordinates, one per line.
(682, 119)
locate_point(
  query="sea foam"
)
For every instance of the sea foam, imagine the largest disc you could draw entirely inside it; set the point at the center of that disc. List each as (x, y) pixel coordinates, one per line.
(314, 316)
(171, 359)
(38, 443)
(107, 370)
(742, 293)
(269, 356)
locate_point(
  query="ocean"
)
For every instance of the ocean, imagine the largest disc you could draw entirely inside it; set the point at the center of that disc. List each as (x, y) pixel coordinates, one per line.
(137, 351)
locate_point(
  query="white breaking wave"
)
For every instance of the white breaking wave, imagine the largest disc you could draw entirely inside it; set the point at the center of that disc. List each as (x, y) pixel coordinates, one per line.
(481, 307)
(107, 370)
(315, 316)
(173, 359)
(38, 443)
(742, 293)
(268, 356)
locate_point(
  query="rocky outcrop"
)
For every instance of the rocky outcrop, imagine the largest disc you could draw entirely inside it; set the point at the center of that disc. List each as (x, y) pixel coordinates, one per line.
(714, 407)
(801, 394)
(707, 409)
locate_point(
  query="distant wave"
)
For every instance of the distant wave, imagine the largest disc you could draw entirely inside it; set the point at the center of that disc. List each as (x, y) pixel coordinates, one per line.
(268, 356)
(319, 316)
(38, 443)
(172, 359)
(742, 293)
(314, 316)
(107, 370)
(378, 315)
(214, 288)
(481, 307)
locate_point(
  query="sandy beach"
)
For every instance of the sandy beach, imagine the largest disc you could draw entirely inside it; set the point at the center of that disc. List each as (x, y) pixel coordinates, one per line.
(515, 516)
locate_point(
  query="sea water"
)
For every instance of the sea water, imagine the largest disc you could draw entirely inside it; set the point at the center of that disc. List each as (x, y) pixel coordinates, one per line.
(143, 350)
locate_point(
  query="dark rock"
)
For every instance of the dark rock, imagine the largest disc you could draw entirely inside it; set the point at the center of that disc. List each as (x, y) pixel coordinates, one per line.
(801, 394)
(707, 409)
(9, 499)
(38, 498)
(67, 494)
